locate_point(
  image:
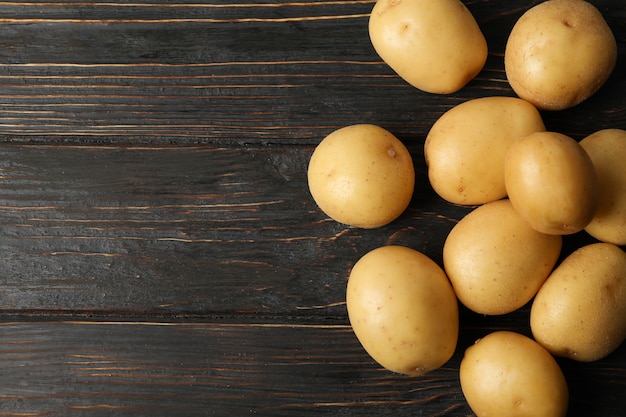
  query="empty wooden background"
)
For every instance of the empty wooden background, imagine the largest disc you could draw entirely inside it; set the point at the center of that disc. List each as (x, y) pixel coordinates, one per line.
(160, 254)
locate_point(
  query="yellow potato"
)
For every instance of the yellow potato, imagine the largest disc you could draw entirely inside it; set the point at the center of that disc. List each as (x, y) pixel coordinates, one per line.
(551, 182)
(508, 374)
(436, 46)
(607, 149)
(403, 310)
(495, 261)
(466, 147)
(361, 175)
(559, 53)
(580, 312)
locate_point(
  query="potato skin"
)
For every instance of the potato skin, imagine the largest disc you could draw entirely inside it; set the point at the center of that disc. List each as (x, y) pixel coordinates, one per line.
(551, 182)
(436, 46)
(559, 53)
(465, 148)
(580, 311)
(361, 175)
(607, 150)
(403, 310)
(495, 261)
(508, 374)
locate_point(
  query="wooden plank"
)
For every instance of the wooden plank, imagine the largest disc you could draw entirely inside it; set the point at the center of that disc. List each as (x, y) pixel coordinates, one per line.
(192, 230)
(266, 369)
(199, 230)
(161, 73)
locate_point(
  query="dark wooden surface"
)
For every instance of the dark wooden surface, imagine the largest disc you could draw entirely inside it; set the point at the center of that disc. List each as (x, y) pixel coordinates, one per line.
(160, 254)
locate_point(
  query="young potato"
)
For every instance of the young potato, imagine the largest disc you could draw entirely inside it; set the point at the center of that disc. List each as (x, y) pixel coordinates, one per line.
(361, 175)
(559, 53)
(466, 147)
(580, 311)
(403, 310)
(508, 374)
(495, 261)
(607, 150)
(551, 182)
(436, 46)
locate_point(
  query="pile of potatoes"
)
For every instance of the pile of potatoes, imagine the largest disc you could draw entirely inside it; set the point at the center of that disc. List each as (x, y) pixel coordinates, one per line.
(528, 188)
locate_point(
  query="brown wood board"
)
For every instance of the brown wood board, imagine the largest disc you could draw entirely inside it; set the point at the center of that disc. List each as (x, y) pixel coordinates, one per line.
(160, 252)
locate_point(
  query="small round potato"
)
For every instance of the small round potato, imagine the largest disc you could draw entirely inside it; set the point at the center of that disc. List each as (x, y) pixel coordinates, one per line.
(559, 53)
(361, 175)
(495, 261)
(607, 149)
(436, 46)
(466, 147)
(580, 311)
(551, 182)
(403, 310)
(508, 374)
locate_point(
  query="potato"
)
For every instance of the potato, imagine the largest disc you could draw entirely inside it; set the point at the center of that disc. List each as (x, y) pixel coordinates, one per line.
(580, 312)
(551, 182)
(508, 374)
(402, 309)
(361, 175)
(559, 53)
(436, 46)
(495, 261)
(466, 147)
(607, 149)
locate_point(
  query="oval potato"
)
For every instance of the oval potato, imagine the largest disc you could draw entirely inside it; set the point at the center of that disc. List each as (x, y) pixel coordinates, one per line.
(551, 182)
(403, 310)
(607, 150)
(508, 374)
(466, 147)
(580, 311)
(559, 53)
(361, 175)
(495, 261)
(436, 46)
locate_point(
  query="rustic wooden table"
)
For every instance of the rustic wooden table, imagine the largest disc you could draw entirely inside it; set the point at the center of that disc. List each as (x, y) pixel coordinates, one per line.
(160, 252)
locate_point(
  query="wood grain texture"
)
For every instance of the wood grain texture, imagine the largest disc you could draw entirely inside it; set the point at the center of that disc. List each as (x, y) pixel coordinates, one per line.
(186, 73)
(164, 369)
(160, 254)
(118, 368)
